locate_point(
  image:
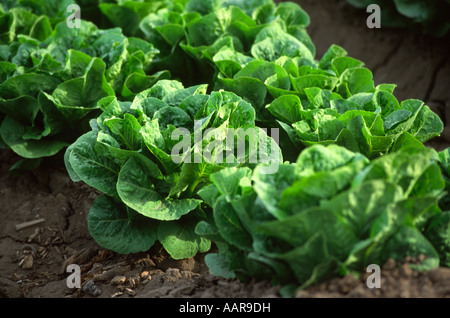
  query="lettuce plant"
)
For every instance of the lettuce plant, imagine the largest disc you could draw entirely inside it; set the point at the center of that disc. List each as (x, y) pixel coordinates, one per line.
(53, 76)
(333, 100)
(150, 190)
(128, 14)
(331, 212)
(438, 229)
(52, 10)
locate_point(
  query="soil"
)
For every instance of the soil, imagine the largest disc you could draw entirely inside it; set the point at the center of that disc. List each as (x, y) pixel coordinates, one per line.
(33, 260)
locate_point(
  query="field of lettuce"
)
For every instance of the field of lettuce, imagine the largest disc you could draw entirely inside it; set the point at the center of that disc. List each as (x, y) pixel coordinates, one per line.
(345, 159)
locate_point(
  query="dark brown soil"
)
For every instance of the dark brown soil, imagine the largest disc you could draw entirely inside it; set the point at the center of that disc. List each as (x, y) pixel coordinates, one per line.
(33, 260)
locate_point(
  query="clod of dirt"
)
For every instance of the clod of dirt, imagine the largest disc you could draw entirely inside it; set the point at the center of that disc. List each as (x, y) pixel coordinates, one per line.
(440, 275)
(390, 265)
(134, 280)
(184, 264)
(145, 275)
(172, 275)
(406, 271)
(118, 280)
(27, 262)
(130, 292)
(9, 288)
(91, 289)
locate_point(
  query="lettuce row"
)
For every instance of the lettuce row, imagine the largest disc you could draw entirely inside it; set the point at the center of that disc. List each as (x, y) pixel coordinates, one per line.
(53, 76)
(265, 55)
(331, 212)
(149, 194)
(333, 100)
(189, 33)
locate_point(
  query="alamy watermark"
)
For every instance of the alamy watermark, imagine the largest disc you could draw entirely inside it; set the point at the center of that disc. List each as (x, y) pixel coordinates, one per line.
(229, 145)
(74, 19)
(374, 19)
(74, 279)
(374, 279)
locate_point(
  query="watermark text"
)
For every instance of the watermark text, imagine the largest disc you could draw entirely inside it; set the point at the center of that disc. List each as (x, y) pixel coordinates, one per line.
(74, 19)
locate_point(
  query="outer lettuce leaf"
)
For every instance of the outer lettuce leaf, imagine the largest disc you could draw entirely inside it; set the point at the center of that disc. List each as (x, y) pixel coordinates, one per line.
(119, 228)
